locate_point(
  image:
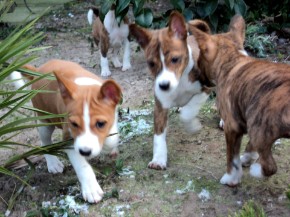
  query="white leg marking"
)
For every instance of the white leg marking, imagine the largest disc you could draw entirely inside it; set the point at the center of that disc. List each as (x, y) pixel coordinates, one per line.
(115, 58)
(126, 57)
(87, 142)
(256, 170)
(248, 158)
(235, 176)
(112, 142)
(221, 124)
(105, 71)
(91, 190)
(54, 165)
(159, 160)
(190, 111)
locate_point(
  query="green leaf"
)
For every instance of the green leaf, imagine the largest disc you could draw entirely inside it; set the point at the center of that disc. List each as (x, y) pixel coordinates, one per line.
(188, 14)
(121, 15)
(178, 4)
(214, 19)
(210, 7)
(105, 8)
(145, 17)
(137, 6)
(240, 8)
(121, 6)
(230, 4)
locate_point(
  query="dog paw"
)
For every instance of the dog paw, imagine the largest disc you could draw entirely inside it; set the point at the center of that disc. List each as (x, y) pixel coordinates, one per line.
(256, 170)
(91, 191)
(106, 73)
(126, 67)
(230, 180)
(157, 165)
(54, 165)
(117, 63)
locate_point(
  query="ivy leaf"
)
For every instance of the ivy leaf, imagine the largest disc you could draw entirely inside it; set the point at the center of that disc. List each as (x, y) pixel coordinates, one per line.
(210, 7)
(240, 8)
(178, 4)
(121, 6)
(137, 6)
(230, 4)
(144, 18)
(188, 14)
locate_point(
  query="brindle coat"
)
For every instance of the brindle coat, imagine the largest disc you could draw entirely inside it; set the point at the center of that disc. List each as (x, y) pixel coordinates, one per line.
(252, 96)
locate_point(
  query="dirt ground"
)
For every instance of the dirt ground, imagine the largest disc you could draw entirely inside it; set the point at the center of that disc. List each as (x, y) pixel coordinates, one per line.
(190, 185)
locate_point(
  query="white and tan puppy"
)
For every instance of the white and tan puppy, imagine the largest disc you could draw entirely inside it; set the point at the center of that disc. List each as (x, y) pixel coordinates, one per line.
(171, 56)
(110, 34)
(91, 107)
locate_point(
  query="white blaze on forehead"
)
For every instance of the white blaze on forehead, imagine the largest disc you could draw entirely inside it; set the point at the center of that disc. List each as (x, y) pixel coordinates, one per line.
(87, 140)
(83, 81)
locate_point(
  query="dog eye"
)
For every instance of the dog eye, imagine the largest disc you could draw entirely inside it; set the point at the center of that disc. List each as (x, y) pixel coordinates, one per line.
(100, 124)
(74, 124)
(175, 60)
(151, 64)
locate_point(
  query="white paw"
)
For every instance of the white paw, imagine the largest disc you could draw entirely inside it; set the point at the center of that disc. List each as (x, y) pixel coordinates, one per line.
(230, 180)
(106, 73)
(256, 170)
(54, 165)
(222, 124)
(248, 158)
(91, 190)
(192, 126)
(126, 66)
(157, 165)
(117, 63)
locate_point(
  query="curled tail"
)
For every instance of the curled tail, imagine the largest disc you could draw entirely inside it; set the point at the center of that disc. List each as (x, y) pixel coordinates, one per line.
(92, 11)
(17, 77)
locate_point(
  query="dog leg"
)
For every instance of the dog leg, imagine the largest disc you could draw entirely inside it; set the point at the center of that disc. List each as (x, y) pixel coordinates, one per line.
(249, 156)
(234, 166)
(159, 160)
(266, 166)
(126, 56)
(115, 58)
(91, 190)
(54, 165)
(190, 111)
(104, 45)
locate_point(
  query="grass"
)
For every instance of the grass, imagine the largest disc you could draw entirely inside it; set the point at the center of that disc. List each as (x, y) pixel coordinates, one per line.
(250, 209)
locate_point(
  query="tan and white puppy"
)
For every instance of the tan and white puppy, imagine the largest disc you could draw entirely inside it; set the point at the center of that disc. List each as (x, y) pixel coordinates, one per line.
(91, 107)
(252, 98)
(171, 56)
(110, 34)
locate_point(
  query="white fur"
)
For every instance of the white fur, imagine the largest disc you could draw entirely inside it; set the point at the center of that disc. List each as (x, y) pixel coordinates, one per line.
(243, 52)
(90, 16)
(221, 124)
(87, 141)
(54, 165)
(278, 142)
(256, 170)
(126, 56)
(159, 151)
(180, 91)
(91, 190)
(112, 142)
(84, 81)
(105, 71)
(235, 175)
(189, 112)
(18, 81)
(249, 157)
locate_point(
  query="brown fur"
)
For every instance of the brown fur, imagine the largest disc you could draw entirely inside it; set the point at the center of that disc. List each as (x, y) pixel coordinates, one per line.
(252, 94)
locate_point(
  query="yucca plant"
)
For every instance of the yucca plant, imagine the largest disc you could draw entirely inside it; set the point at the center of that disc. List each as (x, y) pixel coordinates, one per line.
(17, 50)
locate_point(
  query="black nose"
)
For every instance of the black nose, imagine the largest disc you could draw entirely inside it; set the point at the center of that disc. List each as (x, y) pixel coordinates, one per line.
(85, 152)
(164, 85)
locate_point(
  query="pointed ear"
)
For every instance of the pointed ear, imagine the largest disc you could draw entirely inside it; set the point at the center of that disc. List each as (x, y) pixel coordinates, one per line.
(201, 37)
(177, 25)
(201, 25)
(66, 87)
(238, 28)
(110, 92)
(142, 35)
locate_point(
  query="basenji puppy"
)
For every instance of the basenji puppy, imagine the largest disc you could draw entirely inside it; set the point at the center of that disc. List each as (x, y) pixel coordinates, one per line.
(252, 97)
(171, 56)
(110, 34)
(90, 103)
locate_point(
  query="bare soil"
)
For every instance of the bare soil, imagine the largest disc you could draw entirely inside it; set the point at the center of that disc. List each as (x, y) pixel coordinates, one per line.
(196, 162)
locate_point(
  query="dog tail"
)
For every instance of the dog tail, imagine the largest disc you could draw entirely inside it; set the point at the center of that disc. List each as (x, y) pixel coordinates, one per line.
(17, 77)
(92, 11)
